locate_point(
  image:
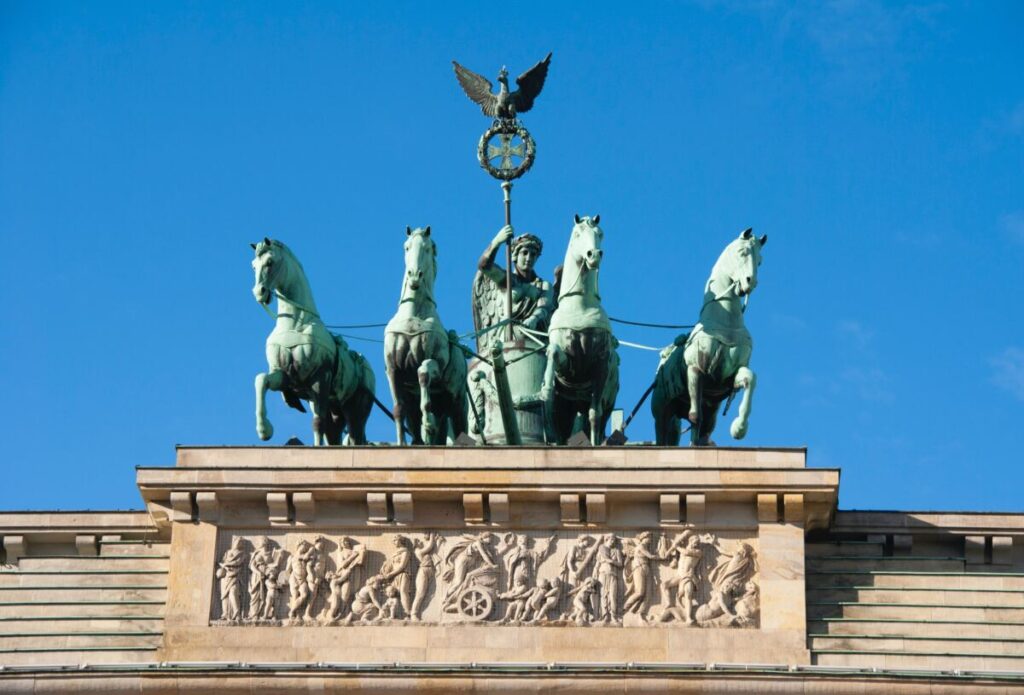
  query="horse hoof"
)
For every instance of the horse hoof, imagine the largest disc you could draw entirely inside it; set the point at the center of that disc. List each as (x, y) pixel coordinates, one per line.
(738, 429)
(692, 417)
(265, 432)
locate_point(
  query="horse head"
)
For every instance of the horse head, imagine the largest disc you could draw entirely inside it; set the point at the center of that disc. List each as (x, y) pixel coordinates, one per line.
(585, 244)
(420, 263)
(268, 266)
(740, 260)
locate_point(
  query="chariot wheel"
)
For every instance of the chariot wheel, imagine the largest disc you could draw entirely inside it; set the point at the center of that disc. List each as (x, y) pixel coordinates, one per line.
(475, 604)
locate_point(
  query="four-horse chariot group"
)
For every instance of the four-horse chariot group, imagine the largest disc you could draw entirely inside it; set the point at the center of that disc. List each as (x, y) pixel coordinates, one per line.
(545, 368)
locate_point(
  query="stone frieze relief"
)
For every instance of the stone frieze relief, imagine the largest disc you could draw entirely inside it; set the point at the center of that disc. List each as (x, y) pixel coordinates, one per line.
(681, 578)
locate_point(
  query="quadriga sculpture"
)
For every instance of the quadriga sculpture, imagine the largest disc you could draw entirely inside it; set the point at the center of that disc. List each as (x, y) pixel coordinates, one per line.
(582, 374)
(426, 368)
(697, 374)
(306, 362)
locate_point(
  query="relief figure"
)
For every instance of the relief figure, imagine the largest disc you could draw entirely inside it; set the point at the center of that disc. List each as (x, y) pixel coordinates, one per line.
(342, 582)
(229, 572)
(397, 571)
(425, 550)
(639, 559)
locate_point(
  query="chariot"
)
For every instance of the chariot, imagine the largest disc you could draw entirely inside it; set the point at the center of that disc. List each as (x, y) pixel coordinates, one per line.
(475, 601)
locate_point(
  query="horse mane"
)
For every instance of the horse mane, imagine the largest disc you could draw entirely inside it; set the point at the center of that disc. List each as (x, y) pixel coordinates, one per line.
(557, 285)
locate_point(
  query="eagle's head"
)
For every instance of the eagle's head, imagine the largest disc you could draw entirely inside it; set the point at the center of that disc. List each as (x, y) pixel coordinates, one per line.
(503, 75)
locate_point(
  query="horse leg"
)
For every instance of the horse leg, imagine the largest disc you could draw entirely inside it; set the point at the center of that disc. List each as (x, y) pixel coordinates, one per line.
(321, 414)
(596, 412)
(556, 357)
(356, 412)
(429, 374)
(273, 381)
(666, 424)
(746, 380)
(398, 412)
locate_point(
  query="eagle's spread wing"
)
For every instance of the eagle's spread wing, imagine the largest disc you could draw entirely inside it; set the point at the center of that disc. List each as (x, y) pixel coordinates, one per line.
(530, 83)
(478, 88)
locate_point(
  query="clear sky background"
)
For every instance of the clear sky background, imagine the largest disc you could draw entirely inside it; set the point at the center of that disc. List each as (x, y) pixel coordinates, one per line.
(143, 145)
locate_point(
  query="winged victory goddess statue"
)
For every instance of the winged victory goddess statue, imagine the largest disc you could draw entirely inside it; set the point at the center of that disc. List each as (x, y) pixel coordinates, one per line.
(505, 104)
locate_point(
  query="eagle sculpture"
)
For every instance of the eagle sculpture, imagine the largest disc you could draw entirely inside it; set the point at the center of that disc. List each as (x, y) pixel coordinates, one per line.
(505, 104)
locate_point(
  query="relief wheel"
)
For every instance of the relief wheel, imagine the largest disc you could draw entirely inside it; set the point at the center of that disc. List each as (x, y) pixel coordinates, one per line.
(475, 604)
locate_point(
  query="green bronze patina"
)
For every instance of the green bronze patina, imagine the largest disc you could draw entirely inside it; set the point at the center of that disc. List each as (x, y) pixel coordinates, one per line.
(425, 366)
(711, 363)
(305, 361)
(582, 374)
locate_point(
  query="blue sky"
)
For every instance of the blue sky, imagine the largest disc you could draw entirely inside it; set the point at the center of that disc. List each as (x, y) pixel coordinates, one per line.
(880, 146)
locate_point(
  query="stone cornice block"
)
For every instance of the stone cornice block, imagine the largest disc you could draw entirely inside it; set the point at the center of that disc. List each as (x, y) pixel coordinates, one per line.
(1002, 550)
(793, 509)
(16, 548)
(277, 507)
(974, 550)
(497, 502)
(902, 543)
(87, 546)
(473, 507)
(401, 503)
(207, 506)
(569, 505)
(695, 509)
(597, 508)
(768, 508)
(669, 508)
(181, 506)
(377, 507)
(305, 507)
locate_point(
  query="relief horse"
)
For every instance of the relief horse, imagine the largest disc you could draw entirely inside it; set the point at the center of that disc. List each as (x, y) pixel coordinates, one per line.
(582, 373)
(711, 363)
(305, 361)
(426, 368)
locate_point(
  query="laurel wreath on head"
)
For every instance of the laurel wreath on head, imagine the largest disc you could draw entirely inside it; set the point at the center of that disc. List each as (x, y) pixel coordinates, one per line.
(506, 128)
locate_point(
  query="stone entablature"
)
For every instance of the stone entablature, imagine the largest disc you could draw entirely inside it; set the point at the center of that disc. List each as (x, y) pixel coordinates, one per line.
(429, 554)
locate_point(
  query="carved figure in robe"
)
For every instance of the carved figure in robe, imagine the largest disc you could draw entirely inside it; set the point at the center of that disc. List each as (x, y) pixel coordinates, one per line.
(397, 571)
(532, 299)
(728, 582)
(351, 556)
(522, 561)
(425, 550)
(366, 604)
(259, 574)
(229, 572)
(575, 563)
(582, 611)
(299, 568)
(685, 556)
(608, 562)
(543, 600)
(470, 554)
(639, 559)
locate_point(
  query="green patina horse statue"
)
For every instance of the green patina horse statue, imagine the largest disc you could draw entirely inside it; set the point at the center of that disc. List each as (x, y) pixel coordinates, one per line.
(426, 368)
(582, 374)
(710, 364)
(306, 362)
